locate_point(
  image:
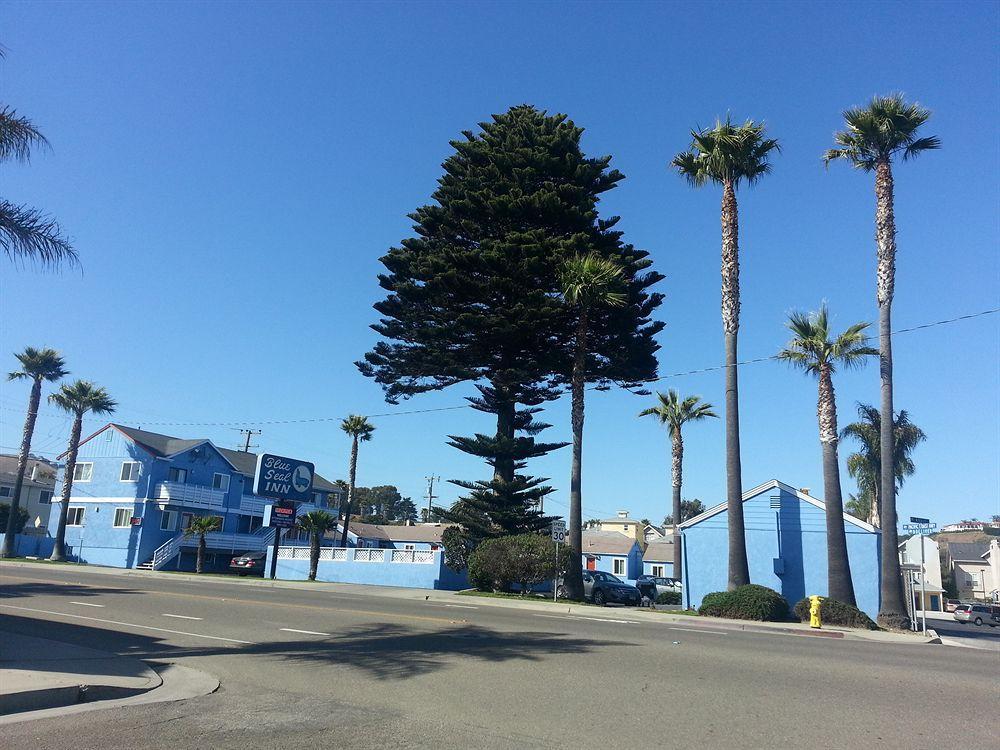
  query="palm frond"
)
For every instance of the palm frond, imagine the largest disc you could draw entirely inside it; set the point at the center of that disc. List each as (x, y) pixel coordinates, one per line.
(18, 136)
(27, 234)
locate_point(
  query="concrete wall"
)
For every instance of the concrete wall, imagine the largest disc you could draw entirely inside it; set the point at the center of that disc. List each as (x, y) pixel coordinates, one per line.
(31, 545)
(786, 551)
(434, 575)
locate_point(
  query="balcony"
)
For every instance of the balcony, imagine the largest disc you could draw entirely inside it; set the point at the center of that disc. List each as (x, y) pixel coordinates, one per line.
(190, 495)
(254, 505)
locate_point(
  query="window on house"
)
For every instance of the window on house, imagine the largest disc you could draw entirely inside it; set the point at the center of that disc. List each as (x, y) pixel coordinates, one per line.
(45, 497)
(168, 521)
(6, 491)
(74, 516)
(186, 521)
(123, 518)
(220, 482)
(409, 546)
(658, 571)
(83, 472)
(130, 471)
(319, 499)
(626, 527)
(618, 566)
(177, 475)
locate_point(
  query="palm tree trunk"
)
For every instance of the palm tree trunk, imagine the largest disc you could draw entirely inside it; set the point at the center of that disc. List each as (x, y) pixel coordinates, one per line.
(9, 548)
(574, 576)
(839, 583)
(677, 456)
(59, 547)
(313, 555)
(199, 563)
(350, 490)
(892, 610)
(739, 571)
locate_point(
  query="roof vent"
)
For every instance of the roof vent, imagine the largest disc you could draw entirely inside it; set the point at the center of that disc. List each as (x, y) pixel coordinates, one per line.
(623, 514)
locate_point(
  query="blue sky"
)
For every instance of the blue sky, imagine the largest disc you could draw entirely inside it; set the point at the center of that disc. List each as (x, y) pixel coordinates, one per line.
(231, 173)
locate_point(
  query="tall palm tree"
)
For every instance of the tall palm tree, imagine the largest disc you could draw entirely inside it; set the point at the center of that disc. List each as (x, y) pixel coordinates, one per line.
(815, 349)
(587, 281)
(360, 430)
(865, 465)
(875, 135)
(37, 365)
(674, 412)
(77, 398)
(200, 526)
(315, 523)
(26, 233)
(729, 155)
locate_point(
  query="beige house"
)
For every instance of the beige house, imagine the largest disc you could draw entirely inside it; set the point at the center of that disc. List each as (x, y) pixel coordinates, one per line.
(927, 595)
(627, 526)
(973, 573)
(36, 490)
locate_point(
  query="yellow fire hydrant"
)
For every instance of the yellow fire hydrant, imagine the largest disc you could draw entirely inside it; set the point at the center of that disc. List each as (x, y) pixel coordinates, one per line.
(815, 621)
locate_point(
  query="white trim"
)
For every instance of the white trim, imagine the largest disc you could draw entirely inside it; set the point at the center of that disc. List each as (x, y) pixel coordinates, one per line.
(658, 566)
(83, 514)
(128, 519)
(774, 484)
(138, 472)
(624, 564)
(172, 515)
(77, 465)
(225, 476)
(117, 500)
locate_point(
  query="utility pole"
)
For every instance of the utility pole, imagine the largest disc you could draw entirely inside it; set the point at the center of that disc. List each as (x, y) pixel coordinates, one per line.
(249, 433)
(430, 494)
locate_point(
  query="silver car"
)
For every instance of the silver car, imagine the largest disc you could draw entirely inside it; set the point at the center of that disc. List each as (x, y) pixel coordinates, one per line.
(977, 614)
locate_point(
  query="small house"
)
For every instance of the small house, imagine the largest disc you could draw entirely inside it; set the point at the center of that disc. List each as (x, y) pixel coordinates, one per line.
(622, 524)
(927, 594)
(658, 559)
(613, 553)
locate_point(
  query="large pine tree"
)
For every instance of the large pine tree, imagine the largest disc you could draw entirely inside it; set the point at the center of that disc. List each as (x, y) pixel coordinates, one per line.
(474, 294)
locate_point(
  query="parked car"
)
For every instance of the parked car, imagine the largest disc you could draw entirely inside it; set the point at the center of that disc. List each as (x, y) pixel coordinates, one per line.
(653, 586)
(977, 614)
(249, 562)
(603, 588)
(950, 604)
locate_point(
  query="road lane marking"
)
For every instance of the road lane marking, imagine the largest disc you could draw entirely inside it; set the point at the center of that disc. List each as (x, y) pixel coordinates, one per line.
(87, 604)
(696, 630)
(304, 632)
(460, 606)
(598, 619)
(126, 624)
(181, 617)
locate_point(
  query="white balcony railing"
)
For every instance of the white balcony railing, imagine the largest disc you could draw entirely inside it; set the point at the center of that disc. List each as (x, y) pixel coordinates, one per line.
(219, 540)
(254, 505)
(192, 495)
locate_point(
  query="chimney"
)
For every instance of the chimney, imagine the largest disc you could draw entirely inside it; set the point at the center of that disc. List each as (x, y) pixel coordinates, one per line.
(34, 472)
(804, 490)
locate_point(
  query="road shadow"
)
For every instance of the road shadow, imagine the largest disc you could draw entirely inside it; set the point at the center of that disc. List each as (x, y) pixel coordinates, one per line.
(46, 588)
(381, 651)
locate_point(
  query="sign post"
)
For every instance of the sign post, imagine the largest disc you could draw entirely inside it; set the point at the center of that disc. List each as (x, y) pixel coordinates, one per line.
(921, 527)
(558, 536)
(287, 480)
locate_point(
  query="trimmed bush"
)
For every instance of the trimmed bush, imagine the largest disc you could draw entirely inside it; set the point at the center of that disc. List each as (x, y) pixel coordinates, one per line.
(750, 602)
(833, 612)
(525, 559)
(669, 597)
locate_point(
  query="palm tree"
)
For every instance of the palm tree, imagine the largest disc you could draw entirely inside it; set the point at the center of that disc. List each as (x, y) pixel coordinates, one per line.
(78, 399)
(37, 365)
(860, 505)
(315, 523)
(865, 465)
(816, 350)
(360, 430)
(729, 155)
(675, 412)
(26, 233)
(875, 134)
(200, 526)
(587, 281)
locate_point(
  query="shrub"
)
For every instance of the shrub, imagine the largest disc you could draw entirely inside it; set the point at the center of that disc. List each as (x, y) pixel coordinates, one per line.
(19, 521)
(669, 597)
(750, 602)
(456, 549)
(525, 559)
(833, 612)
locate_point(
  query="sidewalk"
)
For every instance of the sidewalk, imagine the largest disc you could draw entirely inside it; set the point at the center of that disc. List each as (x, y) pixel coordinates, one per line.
(36, 673)
(578, 610)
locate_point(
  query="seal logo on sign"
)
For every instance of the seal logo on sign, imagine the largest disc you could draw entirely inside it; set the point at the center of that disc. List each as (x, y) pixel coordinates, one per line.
(301, 478)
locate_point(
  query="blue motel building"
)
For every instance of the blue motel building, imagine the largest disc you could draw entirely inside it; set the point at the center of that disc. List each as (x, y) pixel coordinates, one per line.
(136, 492)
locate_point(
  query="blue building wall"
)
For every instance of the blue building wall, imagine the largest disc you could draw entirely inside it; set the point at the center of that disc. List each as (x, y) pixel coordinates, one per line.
(435, 575)
(633, 563)
(786, 551)
(31, 545)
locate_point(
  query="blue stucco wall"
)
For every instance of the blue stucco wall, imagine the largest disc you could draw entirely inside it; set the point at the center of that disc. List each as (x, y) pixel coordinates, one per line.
(786, 551)
(31, 545)
(435, 575)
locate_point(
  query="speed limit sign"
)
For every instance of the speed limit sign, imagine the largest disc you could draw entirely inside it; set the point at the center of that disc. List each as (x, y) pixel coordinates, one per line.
(559, 531)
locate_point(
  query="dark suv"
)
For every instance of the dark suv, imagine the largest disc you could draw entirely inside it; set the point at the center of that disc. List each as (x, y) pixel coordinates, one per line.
(603, 588)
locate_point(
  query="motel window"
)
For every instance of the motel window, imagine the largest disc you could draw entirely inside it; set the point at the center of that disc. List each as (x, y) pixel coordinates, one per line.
(220, 482)
(658, 571)
(177, 475)
(74, 517)
(83, 472)
(123, 518)
(168, 521)
(186, 521)
(409, 546)
(618, 566)
(6, 491)
(130, 471)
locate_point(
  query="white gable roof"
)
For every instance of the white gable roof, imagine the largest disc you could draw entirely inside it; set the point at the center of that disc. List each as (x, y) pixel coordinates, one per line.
(775, 484)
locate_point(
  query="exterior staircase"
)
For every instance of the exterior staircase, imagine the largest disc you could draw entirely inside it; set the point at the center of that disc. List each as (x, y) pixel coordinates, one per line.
(257, 541)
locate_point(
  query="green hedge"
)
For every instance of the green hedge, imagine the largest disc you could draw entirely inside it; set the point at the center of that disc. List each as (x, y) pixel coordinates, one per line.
(669, 597)
(832, 612)
(525, 559)
(750, 602)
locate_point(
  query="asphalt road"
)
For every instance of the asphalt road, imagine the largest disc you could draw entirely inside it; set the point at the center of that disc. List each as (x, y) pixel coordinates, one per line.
(317, 669)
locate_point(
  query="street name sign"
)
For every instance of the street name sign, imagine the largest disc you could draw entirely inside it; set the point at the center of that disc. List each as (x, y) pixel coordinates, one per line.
(283, 478)
(559, 531)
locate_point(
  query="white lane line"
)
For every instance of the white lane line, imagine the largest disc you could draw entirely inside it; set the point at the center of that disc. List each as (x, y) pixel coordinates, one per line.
(181, 617)
(304, 632)
(87, 604)
(597, 619)
(460, 606)
(696, 630)
(126, 624)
